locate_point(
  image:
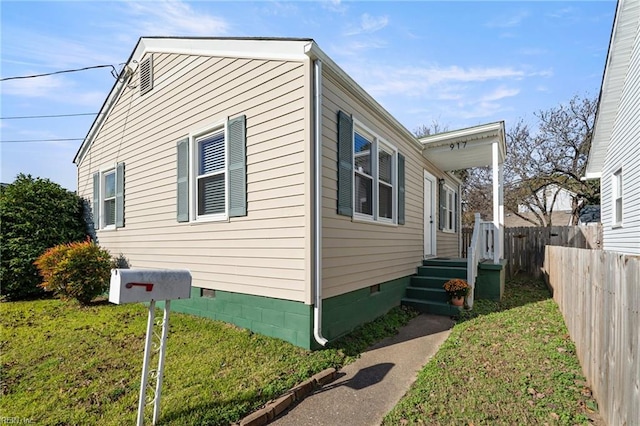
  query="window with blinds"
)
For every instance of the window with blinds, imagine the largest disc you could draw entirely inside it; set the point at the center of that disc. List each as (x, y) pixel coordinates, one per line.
(211, 192)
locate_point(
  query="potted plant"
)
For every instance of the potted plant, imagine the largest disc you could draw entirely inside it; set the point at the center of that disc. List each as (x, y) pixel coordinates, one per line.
(457, 289)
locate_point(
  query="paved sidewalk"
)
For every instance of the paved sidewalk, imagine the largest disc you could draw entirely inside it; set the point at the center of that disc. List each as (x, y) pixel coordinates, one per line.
(371, 386)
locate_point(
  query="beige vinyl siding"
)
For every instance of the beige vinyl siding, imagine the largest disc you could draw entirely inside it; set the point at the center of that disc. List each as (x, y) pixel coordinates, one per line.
(263, 253)
(359, 254)
(447, 244)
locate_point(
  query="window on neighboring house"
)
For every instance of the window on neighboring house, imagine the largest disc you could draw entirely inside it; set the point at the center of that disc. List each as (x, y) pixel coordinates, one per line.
(371, 175)
(617, 197)
(448, 208)
(211, 182)
(108, 198)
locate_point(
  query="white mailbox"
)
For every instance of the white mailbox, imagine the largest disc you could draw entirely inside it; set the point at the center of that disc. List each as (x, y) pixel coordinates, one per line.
(145, 285)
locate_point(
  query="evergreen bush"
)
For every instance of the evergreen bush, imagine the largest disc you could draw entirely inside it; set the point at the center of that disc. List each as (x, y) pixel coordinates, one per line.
(35, 214)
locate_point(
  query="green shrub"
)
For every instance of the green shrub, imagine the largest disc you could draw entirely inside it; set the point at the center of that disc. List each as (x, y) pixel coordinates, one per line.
(35, 214)
(79, 270)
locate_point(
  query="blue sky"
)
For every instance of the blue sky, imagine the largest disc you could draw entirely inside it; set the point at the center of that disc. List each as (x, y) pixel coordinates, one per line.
(455, 63)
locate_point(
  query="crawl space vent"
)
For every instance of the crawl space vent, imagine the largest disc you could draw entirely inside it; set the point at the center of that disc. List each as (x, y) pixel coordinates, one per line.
(146, 75)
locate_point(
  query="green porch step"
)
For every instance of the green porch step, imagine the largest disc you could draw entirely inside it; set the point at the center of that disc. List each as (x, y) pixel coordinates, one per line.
(428, 294)
(446, 261)
(428, 282)
(429, 307)
(443, 271)
(425, 291)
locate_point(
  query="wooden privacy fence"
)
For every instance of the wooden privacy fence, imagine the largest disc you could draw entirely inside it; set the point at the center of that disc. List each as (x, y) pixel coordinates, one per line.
(598, 293)
(524, 246)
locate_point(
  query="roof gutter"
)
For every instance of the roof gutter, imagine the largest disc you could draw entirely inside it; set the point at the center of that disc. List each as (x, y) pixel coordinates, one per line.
(317, 216)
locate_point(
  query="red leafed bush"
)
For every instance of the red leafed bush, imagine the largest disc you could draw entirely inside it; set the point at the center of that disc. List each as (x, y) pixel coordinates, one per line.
(79, 270)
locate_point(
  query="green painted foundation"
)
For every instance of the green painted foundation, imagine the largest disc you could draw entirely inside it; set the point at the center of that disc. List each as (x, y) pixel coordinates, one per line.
(293, 321)
(341, 314)
(490, 281)
(284, 319)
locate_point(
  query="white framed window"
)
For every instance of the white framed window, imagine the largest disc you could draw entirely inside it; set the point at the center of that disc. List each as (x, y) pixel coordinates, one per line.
(375, 186)
(108, 199)
(209, 171)
(449, 209)
(617, 191)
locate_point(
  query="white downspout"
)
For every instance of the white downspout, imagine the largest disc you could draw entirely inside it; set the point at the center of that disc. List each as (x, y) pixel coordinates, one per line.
(317, 305)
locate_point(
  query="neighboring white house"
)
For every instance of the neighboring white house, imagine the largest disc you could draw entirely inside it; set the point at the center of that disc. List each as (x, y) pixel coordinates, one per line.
(554, 197)
(615, 151)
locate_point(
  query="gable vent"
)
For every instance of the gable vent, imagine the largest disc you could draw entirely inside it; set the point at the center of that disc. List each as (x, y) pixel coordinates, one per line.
(146, 75)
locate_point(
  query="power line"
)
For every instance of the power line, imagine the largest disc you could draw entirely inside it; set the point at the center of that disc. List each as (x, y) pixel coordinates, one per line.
(47, 116)
(43, 140)
(114, 72)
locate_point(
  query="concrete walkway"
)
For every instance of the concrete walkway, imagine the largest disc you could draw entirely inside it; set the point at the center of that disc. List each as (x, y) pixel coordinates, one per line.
(369, 388)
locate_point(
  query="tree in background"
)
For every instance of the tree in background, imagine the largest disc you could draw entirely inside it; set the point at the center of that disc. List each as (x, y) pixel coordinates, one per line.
(35, 214)
(552, 155)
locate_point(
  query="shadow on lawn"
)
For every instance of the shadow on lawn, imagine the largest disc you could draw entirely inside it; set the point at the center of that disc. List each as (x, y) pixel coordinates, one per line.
(518, 291)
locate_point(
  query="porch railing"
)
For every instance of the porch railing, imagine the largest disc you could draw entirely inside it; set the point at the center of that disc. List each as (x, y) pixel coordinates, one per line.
(483, 241)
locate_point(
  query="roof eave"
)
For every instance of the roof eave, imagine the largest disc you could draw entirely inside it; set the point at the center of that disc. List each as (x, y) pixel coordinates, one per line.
(314, 52)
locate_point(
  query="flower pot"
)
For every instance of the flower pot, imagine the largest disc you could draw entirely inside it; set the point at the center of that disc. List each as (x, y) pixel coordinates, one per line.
(457, 300)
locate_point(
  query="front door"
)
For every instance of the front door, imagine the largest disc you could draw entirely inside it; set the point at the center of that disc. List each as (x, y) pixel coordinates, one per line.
(429, 215)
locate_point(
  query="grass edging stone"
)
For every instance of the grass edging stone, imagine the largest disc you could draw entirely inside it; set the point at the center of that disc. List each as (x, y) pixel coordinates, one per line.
(296, 394)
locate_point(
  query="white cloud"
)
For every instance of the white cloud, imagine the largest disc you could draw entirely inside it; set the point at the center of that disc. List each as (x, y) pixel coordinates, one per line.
(532, 51)
(500, 93)
(369, 24)
(54, 88)
(49, 52)
(174, 18)
(334, 6)
(416, 81)
(508, 21)
(357, 47)
(34, 87)
(278, 8)
(563, 13)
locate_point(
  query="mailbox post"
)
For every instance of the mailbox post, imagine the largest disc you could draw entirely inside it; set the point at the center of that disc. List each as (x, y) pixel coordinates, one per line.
(150, 285)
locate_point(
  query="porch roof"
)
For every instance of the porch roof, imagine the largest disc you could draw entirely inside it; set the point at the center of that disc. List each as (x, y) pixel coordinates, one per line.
(465, 148)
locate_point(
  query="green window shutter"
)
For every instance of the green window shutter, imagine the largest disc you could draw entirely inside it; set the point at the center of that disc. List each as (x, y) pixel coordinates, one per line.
(237, 166)
(443, 206)
(96, 200)
(182, 199)
(120, 195)
(345, 164)
(401, 190)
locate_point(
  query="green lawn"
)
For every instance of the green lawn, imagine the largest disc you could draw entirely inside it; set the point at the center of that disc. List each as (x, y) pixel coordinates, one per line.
(65, 364)
(508, 363)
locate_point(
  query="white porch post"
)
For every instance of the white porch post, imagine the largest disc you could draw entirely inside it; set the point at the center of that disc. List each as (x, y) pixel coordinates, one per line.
(498, 208)
(501, 218)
